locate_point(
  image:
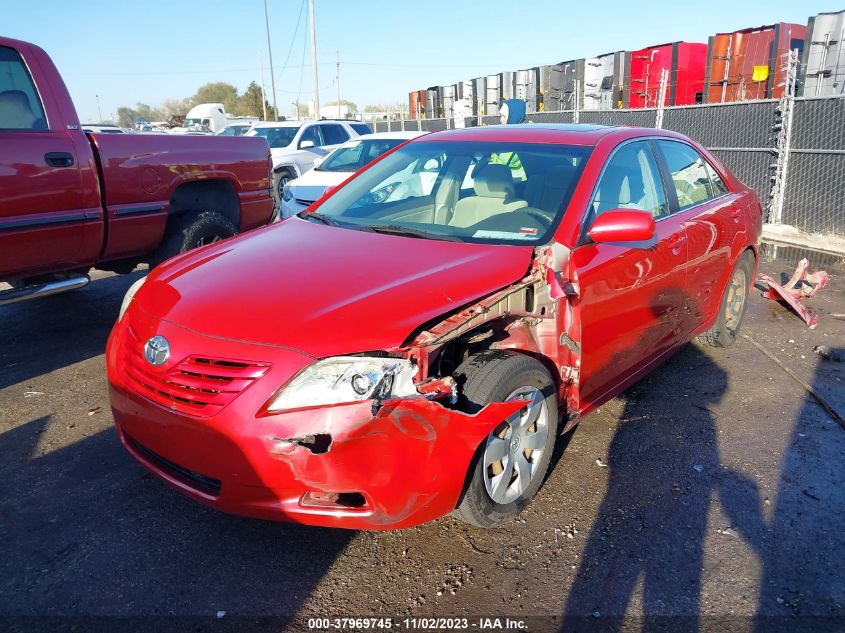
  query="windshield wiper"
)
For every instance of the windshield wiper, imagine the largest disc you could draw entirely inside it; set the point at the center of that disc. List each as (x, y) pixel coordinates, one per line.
(305, 215)
(392, 229)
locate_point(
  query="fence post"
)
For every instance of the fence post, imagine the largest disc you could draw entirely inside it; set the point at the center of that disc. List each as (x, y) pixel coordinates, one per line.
(575, 105)
(661, 98)
(784, 137)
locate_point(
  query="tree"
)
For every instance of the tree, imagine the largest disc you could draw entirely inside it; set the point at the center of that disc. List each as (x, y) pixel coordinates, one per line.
(250, 103)
(175, 107)
(353, 107)
(218, 92)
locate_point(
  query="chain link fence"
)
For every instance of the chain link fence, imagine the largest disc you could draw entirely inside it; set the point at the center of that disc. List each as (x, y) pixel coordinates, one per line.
(745, 137)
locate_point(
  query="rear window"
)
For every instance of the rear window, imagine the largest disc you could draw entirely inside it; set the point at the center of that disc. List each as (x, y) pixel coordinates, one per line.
(20, 107)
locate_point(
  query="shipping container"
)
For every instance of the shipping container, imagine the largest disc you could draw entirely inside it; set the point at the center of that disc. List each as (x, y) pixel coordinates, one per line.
(416, 104)
(685, 62)
(432, 103)
(750, 63)
(823, 60)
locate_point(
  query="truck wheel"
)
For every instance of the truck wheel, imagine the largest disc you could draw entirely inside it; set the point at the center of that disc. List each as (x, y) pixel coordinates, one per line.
(192, 230)
(511, 463)
(283, 176)
(733, 306)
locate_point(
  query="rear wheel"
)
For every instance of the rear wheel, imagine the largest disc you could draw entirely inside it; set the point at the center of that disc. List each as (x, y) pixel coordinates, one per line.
(733, 306)
(188, 231)
(510, 465)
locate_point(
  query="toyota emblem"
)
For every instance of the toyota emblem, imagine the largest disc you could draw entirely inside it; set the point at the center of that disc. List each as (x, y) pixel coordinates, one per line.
(157, 351)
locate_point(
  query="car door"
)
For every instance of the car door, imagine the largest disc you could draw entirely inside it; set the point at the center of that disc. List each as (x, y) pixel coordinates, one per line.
(306, 156)
(629, 293)
(42, 210)
(712, 217)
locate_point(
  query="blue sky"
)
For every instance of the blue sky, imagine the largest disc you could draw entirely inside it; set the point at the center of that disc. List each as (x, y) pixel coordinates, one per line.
(127, 52)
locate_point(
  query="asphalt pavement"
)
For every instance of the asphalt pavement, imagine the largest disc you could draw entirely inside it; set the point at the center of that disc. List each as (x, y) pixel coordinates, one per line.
(710, 495)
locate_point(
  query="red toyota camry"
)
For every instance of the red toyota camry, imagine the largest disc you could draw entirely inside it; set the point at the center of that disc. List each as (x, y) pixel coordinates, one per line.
(412, 344)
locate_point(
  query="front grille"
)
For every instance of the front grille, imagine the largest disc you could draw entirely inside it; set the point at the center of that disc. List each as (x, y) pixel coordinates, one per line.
(199, 386)
(198, 481)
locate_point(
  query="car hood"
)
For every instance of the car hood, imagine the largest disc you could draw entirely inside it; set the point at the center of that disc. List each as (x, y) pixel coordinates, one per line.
(325, 290)
(311, 185)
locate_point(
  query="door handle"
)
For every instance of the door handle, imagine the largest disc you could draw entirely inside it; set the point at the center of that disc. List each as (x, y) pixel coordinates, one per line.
(59, 159)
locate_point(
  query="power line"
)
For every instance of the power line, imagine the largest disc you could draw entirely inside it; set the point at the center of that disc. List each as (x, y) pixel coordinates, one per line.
(292, 40)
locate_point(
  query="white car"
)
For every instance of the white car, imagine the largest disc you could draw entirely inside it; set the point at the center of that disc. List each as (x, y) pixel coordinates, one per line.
(296, 145)
(337, 167)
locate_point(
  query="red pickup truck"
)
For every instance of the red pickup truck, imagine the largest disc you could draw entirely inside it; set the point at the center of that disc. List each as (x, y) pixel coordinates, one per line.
(71, 200)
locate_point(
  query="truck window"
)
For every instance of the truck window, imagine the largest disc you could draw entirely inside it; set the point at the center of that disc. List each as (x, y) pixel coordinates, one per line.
(20, 107)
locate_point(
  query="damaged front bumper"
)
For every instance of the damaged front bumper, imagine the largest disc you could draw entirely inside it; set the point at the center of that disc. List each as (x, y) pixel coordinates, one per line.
(363, 466)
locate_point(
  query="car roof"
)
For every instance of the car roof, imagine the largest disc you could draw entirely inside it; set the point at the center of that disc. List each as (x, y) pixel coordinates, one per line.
(558, 133)
(290, 123)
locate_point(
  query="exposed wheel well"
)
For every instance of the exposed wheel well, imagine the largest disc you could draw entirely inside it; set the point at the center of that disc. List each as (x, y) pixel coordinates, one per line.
(207, 195)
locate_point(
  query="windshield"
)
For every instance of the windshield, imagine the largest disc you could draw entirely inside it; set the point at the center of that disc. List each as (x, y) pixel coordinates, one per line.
(196, 122)
(508, 193)
(276, 136)
(355, 154)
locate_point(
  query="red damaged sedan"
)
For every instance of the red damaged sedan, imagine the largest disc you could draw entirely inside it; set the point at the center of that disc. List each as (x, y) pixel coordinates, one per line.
(412, 344)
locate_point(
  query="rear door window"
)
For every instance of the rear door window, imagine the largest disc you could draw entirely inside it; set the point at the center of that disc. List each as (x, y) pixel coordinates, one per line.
(20, 107)
(334, 134)
(688, 171)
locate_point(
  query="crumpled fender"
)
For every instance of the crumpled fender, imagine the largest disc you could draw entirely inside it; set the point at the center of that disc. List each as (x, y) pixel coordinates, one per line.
(410, 460)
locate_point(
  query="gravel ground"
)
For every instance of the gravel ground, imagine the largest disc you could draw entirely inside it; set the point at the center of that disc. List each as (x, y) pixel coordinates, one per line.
(709, 495)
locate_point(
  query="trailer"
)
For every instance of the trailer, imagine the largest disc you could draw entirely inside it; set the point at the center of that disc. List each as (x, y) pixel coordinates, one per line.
(685, 63)
(499, 87)
(447, 100)
(416, 104)
(527, 88)
(572, 81)
(432, 103)
(466, 90)
(823, 59)
(750, 63)
(551, 88)
(479, 93)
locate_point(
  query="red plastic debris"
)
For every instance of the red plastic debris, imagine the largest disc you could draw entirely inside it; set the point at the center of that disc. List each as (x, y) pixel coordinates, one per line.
(802, 285)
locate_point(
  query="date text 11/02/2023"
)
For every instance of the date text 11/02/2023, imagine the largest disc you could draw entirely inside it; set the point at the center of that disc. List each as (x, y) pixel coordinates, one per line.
(428, 624)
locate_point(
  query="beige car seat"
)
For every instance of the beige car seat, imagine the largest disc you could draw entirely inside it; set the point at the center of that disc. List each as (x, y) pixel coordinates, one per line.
(15, 112)
(494, 194)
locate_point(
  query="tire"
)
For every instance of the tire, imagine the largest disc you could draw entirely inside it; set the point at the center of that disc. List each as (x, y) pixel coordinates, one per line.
(192, 230)
(494, 376)
(733, 305)
(282, 178)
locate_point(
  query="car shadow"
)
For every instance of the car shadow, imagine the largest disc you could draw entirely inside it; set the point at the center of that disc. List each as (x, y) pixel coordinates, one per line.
(90, 532)
(46, 334)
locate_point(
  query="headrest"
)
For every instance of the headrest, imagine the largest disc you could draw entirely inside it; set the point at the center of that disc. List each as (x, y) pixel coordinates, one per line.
(15, 111)
(494, 181)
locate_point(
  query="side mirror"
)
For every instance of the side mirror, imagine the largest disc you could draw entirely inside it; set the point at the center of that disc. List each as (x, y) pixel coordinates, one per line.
(306, 144)
(622, 225)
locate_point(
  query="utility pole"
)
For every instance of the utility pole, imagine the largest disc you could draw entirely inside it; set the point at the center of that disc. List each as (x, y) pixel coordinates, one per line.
(337, 81)
(270, 50)
(261, 77)
(100, 112)
(314, 79)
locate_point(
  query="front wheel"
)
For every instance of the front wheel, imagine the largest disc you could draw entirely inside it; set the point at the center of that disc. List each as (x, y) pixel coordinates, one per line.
(510, 465)
(733, 306)
(192, 230)
(283, 177)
